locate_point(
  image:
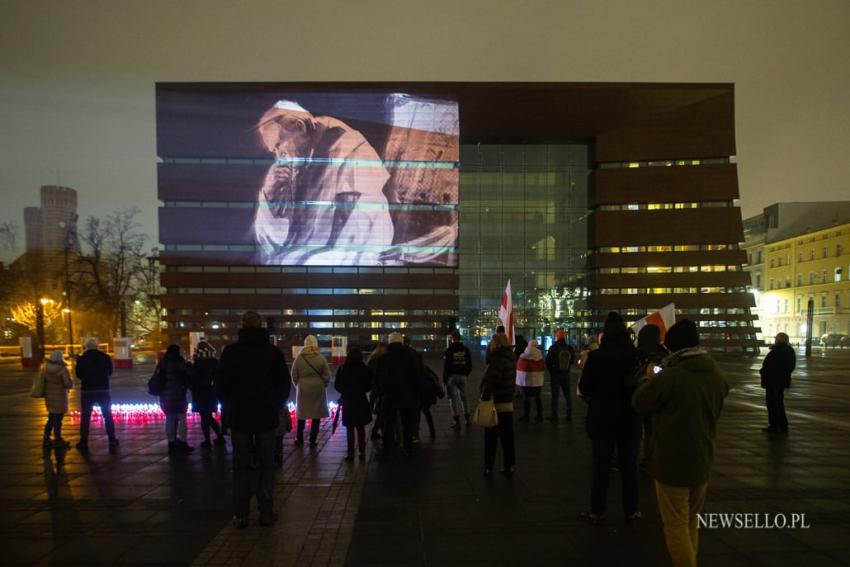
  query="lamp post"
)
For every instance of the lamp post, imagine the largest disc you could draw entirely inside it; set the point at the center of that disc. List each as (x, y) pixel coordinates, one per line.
(39, 327)
(70, 243)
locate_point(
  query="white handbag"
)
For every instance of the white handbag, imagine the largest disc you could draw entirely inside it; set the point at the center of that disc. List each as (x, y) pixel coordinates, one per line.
(485, 414)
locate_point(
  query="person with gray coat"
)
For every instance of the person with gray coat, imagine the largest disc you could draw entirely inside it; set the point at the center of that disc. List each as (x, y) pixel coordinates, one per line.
(311, 375)
(57, 382)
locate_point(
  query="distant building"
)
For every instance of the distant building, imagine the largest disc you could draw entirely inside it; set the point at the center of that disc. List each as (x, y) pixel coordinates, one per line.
(49, 229)
(798, 252)
(48, 226)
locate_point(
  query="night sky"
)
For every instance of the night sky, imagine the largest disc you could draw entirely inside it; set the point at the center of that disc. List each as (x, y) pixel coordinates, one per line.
(77, 78)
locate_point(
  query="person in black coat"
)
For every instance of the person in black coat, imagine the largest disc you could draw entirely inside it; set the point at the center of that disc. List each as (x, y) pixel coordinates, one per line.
(775, 378)
(353, 381)
(253, 380)
(397, 385)
(608, 382)
(93, 370)
(202, 385)
(499, 383)
(174, 378)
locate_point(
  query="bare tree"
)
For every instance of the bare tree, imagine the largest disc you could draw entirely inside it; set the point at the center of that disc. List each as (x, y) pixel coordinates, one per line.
(110, 270)
(8, 234)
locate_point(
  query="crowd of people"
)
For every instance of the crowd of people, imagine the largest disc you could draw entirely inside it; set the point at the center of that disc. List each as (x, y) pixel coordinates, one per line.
(657, 390)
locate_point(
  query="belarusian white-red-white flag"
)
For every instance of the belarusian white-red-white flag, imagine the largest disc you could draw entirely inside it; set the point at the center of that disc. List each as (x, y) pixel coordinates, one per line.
(664, 318)
(506, 313)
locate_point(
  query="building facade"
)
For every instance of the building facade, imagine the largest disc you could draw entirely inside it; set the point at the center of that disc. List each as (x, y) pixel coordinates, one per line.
(794, 253)
(587, 197)
(810, 267)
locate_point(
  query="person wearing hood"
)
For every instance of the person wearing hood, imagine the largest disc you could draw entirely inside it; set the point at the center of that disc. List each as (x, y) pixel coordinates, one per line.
(354, 381)
(775, 379)
(253, 380)
(498, 384)
(57, 382)
(559, 360)
(174, 377)
(202, 384)
(311, 374)
(397, 385)
(607, 382)
(530, 368)
(651, 354)
(685, 400)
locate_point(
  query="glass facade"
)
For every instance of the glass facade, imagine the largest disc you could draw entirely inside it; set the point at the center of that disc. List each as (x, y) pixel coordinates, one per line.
(523, 218)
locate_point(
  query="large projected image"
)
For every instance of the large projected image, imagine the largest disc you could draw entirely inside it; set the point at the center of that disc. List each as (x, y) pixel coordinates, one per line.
(333, 178)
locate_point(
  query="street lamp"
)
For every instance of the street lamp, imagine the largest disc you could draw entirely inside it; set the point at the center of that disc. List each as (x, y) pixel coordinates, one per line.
(39, 326)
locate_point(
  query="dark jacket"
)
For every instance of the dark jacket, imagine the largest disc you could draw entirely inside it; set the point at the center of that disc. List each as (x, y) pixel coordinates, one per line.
(685, 401)
(354, 381)
(253, 380)
(457, 360)
(499, 378)
(397, 373)
(202, 384)
(553, 356)
(777, 366)
(174, 377)
(608, 381)
(93, 369)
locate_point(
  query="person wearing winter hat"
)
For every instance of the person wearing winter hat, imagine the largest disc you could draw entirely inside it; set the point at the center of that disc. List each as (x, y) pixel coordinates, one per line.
(202, 384)
(57, 382)
(530, 368)
(311, 374)
(685, 400)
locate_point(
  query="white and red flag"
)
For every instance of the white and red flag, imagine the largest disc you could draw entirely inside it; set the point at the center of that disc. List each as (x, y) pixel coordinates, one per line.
(664, 318)
(506, 313)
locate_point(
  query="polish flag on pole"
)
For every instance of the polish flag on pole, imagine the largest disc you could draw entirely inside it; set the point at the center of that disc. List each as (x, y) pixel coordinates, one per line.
(664, 318)
(506, 313)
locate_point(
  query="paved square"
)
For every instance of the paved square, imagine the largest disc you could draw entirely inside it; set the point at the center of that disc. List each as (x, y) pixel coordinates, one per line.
(138, 506)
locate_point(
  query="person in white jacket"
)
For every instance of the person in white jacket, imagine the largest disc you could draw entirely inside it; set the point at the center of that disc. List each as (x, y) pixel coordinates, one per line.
(530, 369)
(310, 374)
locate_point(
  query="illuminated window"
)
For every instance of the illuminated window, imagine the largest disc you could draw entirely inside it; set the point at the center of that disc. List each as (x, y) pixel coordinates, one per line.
(837, 276)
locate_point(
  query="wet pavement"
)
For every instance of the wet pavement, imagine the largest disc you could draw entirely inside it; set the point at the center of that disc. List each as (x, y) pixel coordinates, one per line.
(137, 506)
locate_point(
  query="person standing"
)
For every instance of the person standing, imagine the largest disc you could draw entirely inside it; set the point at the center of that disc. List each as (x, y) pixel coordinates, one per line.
(685, 400)
(607, 382)
(530, 368)
(651, 354)
(375, 400)
(254, 381)
(559, 360)
(174, 377)
(457, 365)
(775, 379)
(498, 383)
(57, 382)
(353, 381)
(397, 385)
(202, 384)
(93, 370)
(310, 374)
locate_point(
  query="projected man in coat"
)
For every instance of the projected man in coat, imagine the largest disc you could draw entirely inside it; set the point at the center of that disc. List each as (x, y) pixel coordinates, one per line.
(322, 202)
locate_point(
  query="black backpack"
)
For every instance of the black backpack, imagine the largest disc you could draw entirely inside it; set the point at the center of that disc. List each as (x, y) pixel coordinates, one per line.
(155, 383)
